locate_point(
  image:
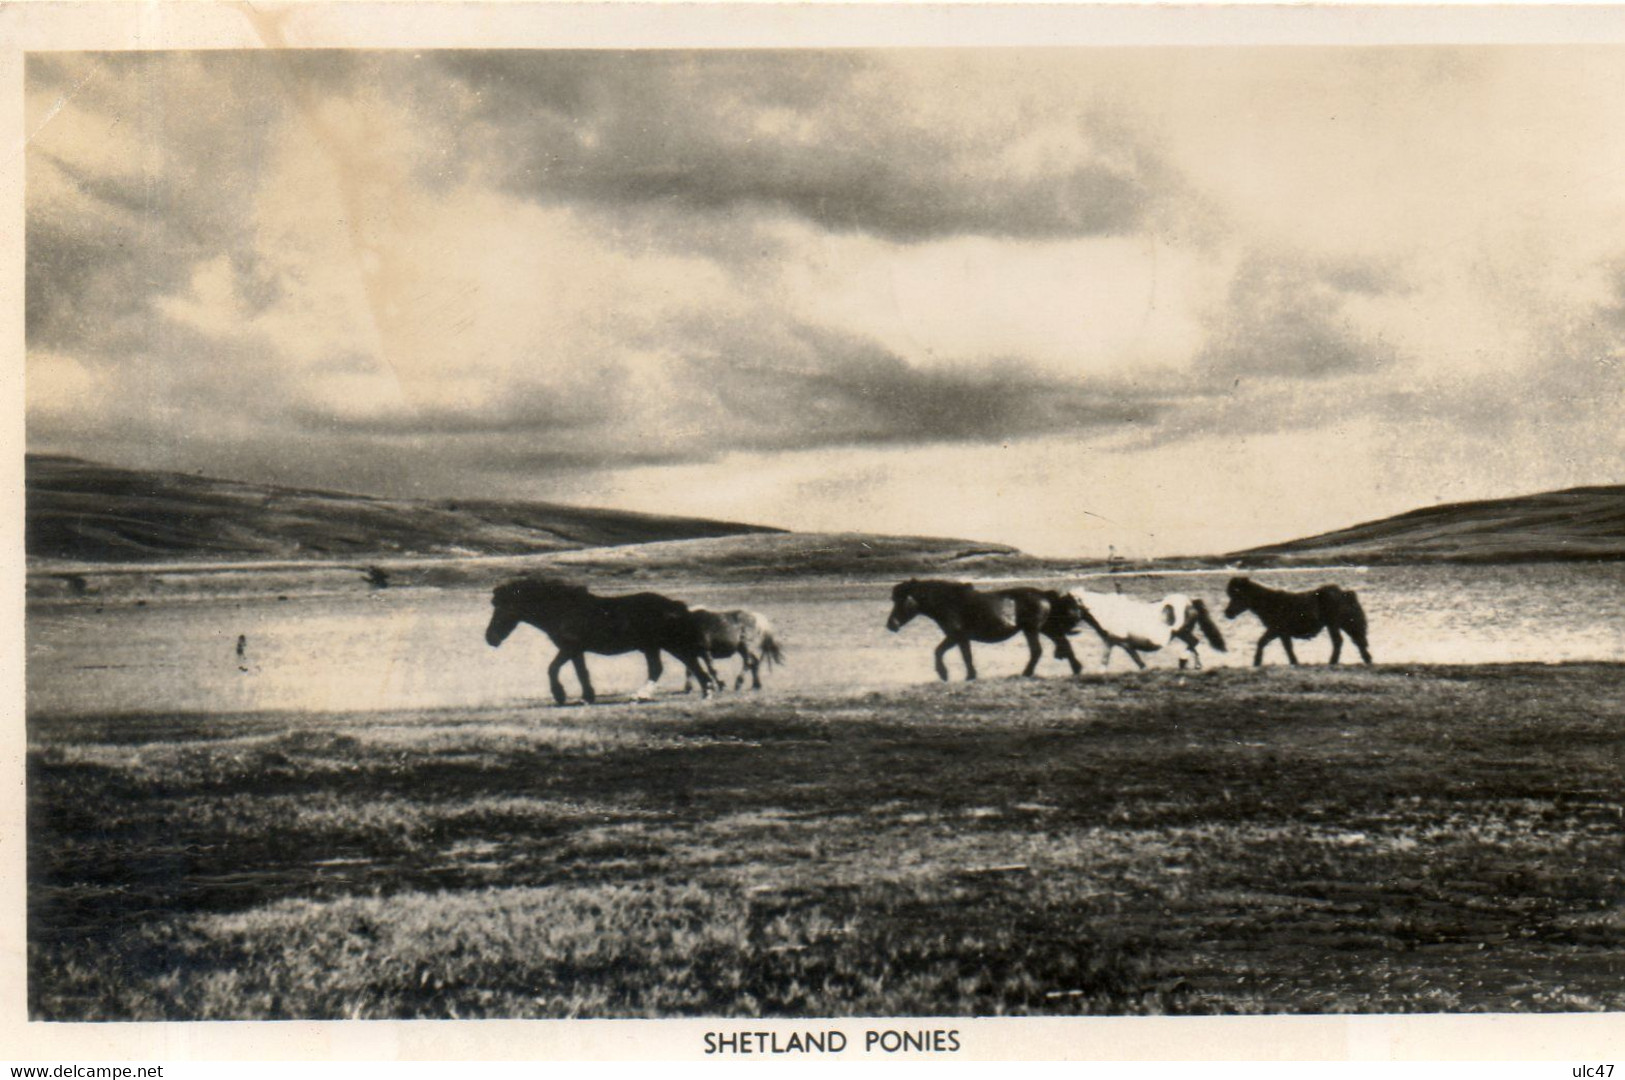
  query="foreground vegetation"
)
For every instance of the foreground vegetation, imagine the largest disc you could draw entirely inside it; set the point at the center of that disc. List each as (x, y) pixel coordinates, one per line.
(1429, 839)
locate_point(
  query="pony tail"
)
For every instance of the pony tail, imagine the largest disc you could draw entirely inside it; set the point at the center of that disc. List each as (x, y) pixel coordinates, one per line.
(1209, 628)
(772, 651)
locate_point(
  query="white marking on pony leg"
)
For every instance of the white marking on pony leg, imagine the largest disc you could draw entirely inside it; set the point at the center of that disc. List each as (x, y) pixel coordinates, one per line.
(645, 692)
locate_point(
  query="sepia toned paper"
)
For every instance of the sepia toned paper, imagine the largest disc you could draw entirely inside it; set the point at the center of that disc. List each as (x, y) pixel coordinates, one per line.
(1095, 285)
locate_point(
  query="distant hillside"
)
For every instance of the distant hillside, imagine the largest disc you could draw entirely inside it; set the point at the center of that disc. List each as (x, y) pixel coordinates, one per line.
(1580, 523)
(756, 557)
(82, 512)
(764, 557)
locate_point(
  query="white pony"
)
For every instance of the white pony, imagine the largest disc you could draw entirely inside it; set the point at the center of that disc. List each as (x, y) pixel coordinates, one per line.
(746, 634)
(1134, 625)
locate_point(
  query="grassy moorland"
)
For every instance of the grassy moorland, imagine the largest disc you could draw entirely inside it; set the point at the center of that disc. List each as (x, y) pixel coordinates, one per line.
(84, 513)
(1581, 523)
(1234, 841)
(106, 534)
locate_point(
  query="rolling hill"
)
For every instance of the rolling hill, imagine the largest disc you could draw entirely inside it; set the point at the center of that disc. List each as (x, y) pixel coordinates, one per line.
(82, 512)
(1579, 523)
(111, 534)
(760, 557)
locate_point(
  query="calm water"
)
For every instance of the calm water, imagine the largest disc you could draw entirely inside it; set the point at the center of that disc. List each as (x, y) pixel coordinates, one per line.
(424, 648)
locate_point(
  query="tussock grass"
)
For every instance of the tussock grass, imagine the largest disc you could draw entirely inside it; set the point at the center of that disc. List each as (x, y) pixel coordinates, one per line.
(1428, 839)
(621, 950)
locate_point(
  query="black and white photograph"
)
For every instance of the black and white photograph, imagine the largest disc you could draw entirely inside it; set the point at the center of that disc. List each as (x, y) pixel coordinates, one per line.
(809, 530)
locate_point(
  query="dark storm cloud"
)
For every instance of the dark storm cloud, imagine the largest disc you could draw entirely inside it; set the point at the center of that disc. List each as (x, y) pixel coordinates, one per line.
(62, 270)
(828, 137)
(653, 151)
(1286, 318)
(757, 386)
(840, 390)
(190, 132)
(527, 453)
(1356, 276)
(1610, 315)
(170, 385)
(85, 277)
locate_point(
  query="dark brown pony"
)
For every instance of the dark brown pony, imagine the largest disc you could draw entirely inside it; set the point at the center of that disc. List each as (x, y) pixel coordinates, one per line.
(1288, 615)
(579, 622)
(966, 615)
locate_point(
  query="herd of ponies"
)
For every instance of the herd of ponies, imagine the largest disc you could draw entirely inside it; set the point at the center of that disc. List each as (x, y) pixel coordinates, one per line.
(579, 622)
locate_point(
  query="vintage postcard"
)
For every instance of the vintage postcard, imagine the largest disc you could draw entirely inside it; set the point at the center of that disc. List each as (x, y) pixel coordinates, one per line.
(857, 533)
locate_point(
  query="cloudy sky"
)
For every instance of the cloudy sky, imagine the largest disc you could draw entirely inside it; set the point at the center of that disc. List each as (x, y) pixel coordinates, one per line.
(1169, 300)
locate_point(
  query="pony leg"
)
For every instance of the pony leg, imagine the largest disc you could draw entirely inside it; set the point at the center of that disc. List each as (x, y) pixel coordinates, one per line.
(1337, 644)
(1035, 650)
(1134, 655)
(1190, 646)
(964, 651)
(1286, 643)
(942, 668)
(753, 664)
(1063, 651)
(587, 693)
(647, 690)
(553, 682)
(1358, 638)
(1258, 653)
(692, 662)
(1106, 660)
